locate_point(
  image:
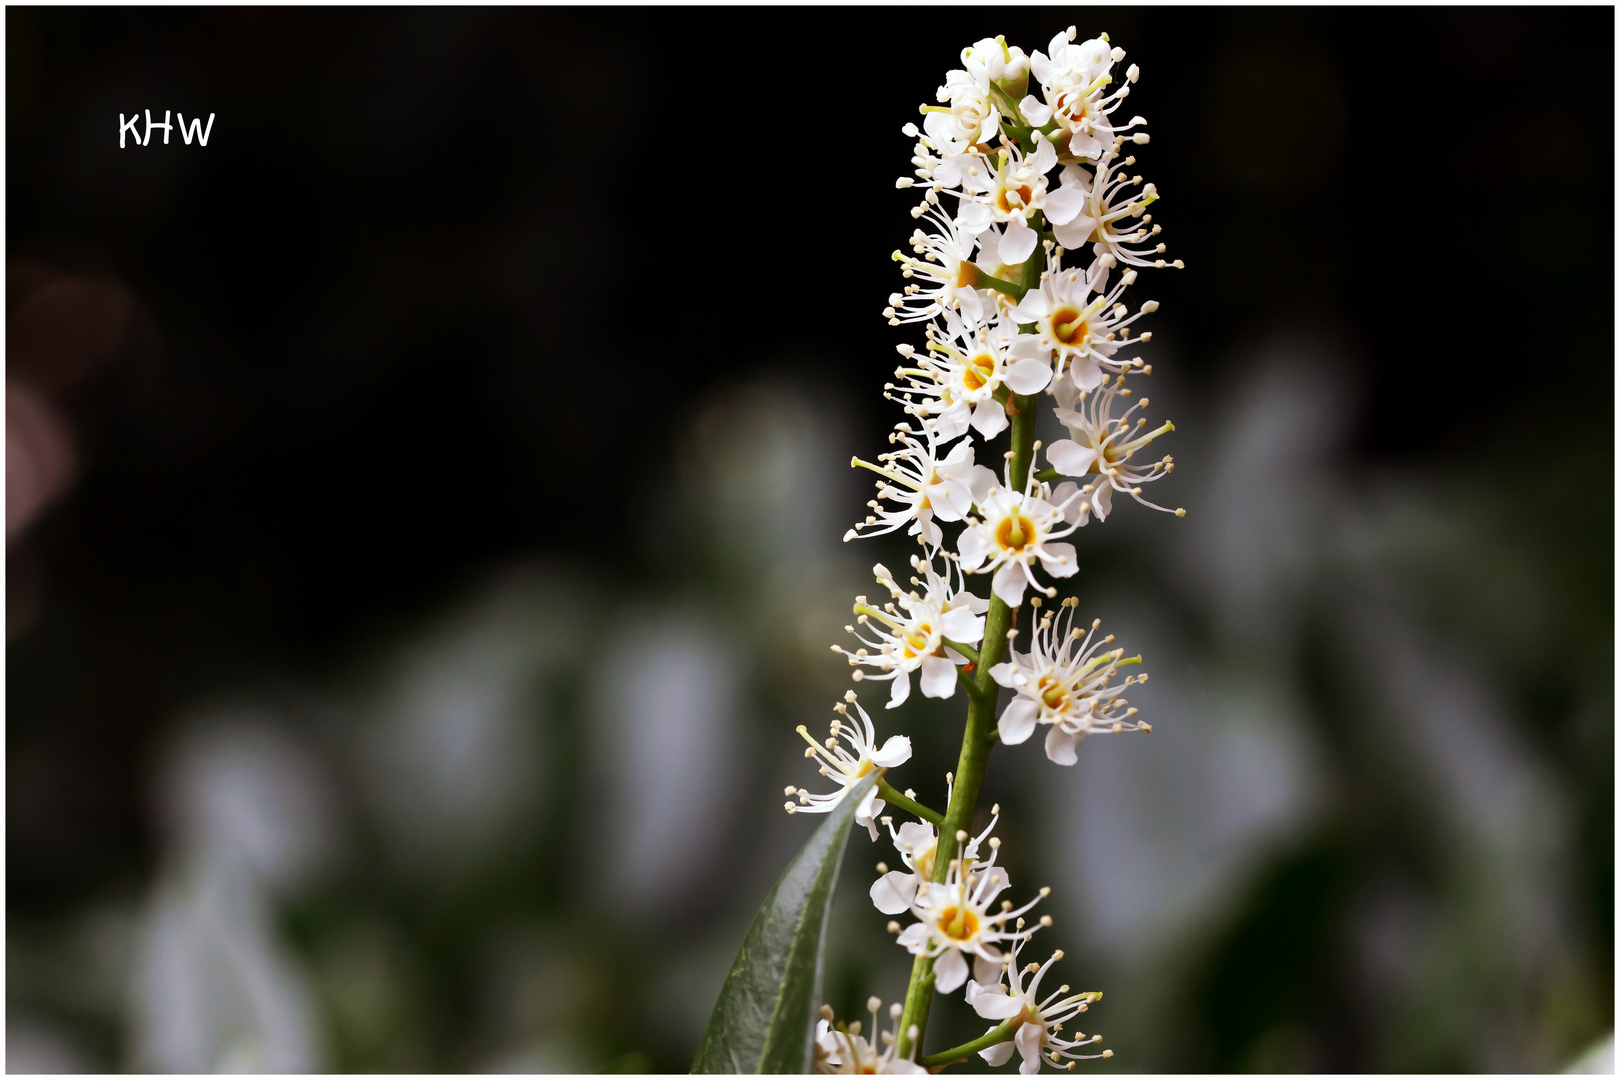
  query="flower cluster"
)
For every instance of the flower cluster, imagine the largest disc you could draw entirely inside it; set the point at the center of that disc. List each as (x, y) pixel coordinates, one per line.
(1033, 225)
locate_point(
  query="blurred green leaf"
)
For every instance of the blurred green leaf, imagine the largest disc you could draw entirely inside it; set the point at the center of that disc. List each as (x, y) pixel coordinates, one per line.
(765, 1019)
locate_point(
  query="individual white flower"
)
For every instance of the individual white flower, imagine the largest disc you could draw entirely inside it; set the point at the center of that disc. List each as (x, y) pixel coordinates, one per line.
(1063, 681)
(946, 277)
(922, 486)
(845, 766)
(1006, 188)
(1081, 321)
(1073, 81)
(970, 121)
(842, 1048)
(955, 921)
(966, 365)
(1112, 216)
(909, 632)
(1012, 531)
(1003, 64)
(1039, 1020)
(917, 842)
(1101, 445)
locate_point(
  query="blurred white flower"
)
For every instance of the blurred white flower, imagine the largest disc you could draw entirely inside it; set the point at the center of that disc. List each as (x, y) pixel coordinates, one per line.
(844, 1050)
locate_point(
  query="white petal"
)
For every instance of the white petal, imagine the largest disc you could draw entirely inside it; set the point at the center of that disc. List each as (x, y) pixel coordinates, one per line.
(1060, 746)
(989, 418)
(1009, 583)
(950, 971)
(1005, 673)
(972, 307)
(992, 1003)
(995, 880)
(1045, 155)
(985, 970)
(914, 837)
(1070, 458)
(899, 690)
(960, 624)
(1035, 111)
(1018, 722)
(1066, 496)
(914, 937)
(1028, 1041)
(897, 751)
(1017, 243)
(938, 677)
(1063, 204)
(1085, 373)
(982, 483)
(991, 125)
(893, 892)
(973, 217)
(866, 814)
(952, 423)
(928, 530)
(1077, 232)
(1102, 499)
(998, 1054)
(1029, 376)
(951, 170)
(1032, 306)
(973, 545)
(1085, 147)
(1059, 559)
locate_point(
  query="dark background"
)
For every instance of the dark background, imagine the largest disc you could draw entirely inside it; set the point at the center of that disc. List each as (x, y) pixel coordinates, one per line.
(442, 285)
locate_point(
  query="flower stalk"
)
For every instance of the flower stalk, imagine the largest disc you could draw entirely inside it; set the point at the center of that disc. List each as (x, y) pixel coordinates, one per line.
(1021, 287)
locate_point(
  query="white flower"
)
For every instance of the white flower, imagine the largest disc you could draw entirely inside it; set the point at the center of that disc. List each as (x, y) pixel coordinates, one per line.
(1081, 321)
(1111, 217)
(1073, 80)
(895, 890)
(843, 1049)
(1063, 681)
(1039, 1021)
(956, 922)
(910, 632)
(1013, 530)
(1102, 445)
(944, 278)
(966, 364)
(923, 486)
(845, 767)
(1003, 64)
(1006, 188)
(970, 121)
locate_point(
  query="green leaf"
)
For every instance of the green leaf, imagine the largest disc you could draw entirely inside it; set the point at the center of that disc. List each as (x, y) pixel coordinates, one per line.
(765, 1019)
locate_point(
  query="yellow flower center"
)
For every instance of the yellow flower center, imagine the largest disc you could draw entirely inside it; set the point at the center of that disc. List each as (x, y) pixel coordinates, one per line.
(958, 924)
(1069, 326)
(979, 371)
(1015, 533)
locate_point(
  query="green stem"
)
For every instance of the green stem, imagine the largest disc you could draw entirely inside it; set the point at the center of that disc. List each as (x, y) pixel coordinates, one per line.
(968, 651)
(978, 735)
(1048, 475)
(990, 281)
(1001, 1034)
(889, 795)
